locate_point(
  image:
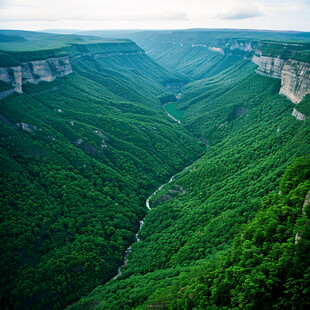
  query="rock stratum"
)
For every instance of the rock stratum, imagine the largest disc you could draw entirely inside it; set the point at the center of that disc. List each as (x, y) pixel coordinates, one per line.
(35, 71)
(294, 75)
(51, 68)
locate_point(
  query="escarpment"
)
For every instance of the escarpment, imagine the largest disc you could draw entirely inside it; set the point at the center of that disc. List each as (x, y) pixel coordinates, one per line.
(35, 71)
(298, 115)
(295, 80)
(51, 68)
(268, 66)
(274, 60)
(13, 76)
(294, 75)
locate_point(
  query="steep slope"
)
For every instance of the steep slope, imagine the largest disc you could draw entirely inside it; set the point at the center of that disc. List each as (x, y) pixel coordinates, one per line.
(268, 265)
(203, 53)
(252, 138)
(79, 155)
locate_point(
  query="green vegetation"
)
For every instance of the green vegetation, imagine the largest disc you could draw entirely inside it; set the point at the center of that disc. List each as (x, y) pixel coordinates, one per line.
(172, 110)
(188, 236)
(267, 266)
(187, 50)
(80, 155)
(38, 46)
(18, 40)
(168, 97)
(4, 86)
(302, 56)
(304, 105)
(285, 50)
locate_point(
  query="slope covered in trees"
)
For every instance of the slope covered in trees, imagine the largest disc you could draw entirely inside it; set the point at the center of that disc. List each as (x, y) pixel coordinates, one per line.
(79, 156)
(267, 266)
(190, 230)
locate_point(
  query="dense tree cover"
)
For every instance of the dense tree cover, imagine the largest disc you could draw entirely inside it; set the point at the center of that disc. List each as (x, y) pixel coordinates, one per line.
(4, 86)
(266, 268)
(304, 105)
(79, 156)
(196, 62)
(252, 138)
(268, 265)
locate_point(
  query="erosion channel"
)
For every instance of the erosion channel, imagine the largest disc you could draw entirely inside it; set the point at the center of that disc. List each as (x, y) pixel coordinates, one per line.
(147, 203)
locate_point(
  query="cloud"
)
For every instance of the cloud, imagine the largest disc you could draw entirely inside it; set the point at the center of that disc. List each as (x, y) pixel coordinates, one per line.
(52, 15)
(241, 12)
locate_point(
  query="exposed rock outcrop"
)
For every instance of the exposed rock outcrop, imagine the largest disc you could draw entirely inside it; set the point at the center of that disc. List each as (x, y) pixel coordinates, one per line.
(12, 75)
(268, 66)
(298, 115)
(295, 80)
(306, 203)
(216, 49)
(246, 46)
(27, 127)
(35, 72)
(294, 75)
(48, 70)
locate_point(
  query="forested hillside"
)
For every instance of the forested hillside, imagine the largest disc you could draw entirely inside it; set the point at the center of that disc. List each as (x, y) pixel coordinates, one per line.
(81, 154)
(186, 241)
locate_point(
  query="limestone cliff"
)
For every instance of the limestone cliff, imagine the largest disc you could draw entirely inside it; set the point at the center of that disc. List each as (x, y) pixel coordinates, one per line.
(272, 62)
(13, 76)
(294, 75)
(45, 70)
(268, 66)
(246, 46)
(49, 69)
(216, 49)
(295, 80)
(35, 72)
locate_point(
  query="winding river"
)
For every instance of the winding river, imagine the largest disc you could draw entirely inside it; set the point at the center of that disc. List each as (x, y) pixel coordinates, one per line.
(169, 113)
(147, 203)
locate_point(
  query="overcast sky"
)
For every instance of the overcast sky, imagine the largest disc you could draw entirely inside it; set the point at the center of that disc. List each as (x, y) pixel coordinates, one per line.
(154, 14)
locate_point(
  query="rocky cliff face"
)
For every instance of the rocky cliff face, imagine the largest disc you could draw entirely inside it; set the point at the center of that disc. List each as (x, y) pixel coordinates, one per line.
(45, 70)
(35, 72)
(294, 75)
(295, 80)
(269, 66)
(48, 69)
(216, 49)
(12, 75)
(246, 46)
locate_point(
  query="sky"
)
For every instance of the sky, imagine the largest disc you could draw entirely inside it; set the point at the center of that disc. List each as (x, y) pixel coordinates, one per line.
(154, 14)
